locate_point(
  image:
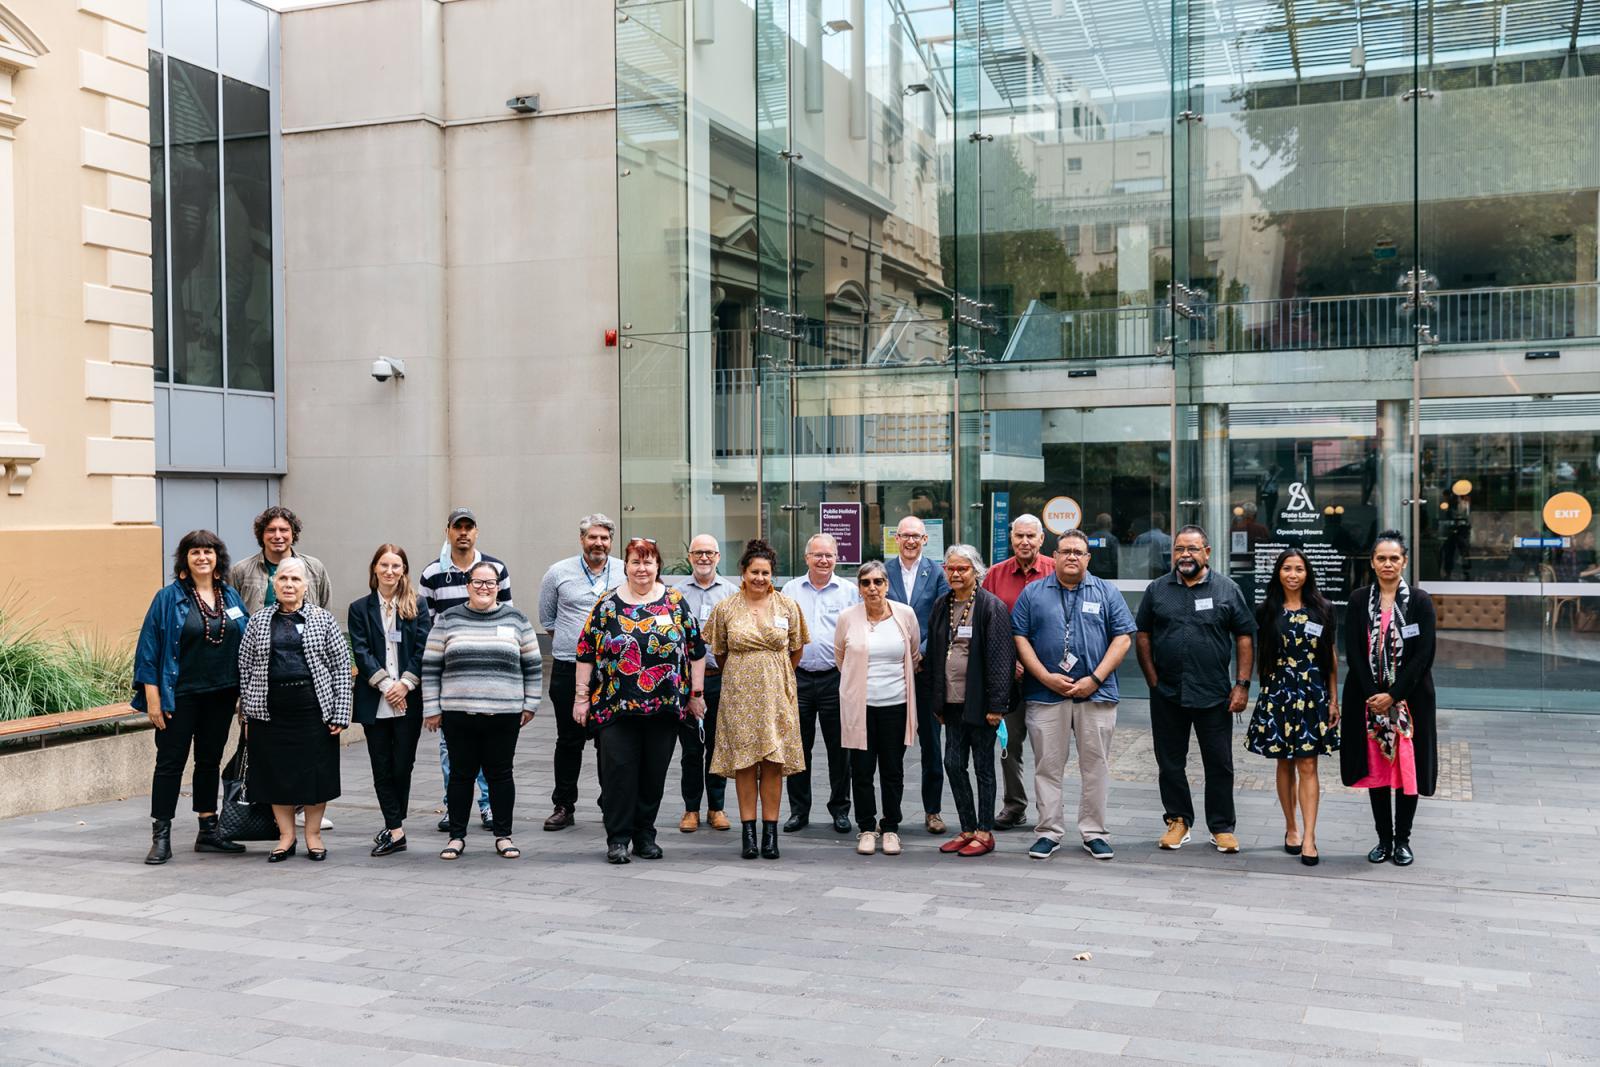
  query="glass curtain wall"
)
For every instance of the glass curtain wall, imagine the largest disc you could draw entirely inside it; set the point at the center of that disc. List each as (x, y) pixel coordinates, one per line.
(1293, 273)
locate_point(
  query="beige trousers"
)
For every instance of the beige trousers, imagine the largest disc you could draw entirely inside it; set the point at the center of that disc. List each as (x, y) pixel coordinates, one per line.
(1051, 728)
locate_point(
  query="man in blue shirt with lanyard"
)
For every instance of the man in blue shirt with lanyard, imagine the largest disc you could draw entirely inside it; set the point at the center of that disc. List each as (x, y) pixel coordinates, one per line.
(1072, 632)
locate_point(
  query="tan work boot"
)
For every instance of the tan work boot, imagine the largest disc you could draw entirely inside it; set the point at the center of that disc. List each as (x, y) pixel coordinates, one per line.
(717, 819)
(690, 822)
(1225, 842)
(1177, 835)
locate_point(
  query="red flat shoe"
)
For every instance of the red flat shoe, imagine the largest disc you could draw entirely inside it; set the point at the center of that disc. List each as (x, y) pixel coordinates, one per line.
(977, 847)
(957, 843)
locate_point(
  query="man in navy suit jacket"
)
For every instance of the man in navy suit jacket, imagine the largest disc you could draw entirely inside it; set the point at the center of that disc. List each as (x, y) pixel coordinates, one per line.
(919, 582)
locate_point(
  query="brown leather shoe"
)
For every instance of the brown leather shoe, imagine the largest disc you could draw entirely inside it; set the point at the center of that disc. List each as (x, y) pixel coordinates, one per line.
(718, 820)
(1010, 820)
(935, 824)
(559, 819)
(690, 822)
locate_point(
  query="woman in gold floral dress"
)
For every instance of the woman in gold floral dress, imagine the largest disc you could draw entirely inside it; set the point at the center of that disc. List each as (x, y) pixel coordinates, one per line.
(1296, 719)
(757, 637)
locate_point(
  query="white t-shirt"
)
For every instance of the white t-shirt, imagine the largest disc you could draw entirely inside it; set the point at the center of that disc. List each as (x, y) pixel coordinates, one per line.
(886, 670)
(908, 578)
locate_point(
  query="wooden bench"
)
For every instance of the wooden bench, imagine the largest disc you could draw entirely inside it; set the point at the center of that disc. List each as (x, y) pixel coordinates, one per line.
(41, 726)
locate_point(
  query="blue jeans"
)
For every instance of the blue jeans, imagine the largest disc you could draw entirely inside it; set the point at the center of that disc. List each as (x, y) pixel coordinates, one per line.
(444, 766)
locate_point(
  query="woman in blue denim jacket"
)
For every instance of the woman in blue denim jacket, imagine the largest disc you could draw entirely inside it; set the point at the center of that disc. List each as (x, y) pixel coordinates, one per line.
(186, 679)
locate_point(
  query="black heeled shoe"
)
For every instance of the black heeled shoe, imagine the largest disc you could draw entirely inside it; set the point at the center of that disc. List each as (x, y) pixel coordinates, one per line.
(750, 851)
(1401, 855)
(1380, 852)
(278, 855)
(160, 842)
(769, 840)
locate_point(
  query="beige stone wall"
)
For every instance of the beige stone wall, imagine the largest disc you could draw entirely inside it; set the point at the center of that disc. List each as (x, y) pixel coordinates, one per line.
(77, 422)
(426, 221)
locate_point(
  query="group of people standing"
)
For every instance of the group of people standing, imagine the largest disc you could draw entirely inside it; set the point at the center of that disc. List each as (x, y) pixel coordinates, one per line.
(741, 678)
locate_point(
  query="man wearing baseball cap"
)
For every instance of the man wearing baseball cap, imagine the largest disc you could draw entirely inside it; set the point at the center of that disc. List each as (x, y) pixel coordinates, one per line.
(444, 586)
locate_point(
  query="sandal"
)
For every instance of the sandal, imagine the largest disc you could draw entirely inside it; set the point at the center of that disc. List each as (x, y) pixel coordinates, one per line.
(453, 849)
(507, 850)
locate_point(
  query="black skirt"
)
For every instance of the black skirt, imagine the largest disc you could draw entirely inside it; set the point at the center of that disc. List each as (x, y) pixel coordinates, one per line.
(293, 757)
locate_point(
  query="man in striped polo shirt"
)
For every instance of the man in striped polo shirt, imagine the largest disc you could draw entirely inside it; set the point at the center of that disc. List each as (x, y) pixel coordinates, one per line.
(444, 586)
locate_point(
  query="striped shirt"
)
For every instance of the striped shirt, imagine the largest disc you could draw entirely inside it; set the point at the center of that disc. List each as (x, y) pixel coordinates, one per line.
(444, 585)
(481, 663)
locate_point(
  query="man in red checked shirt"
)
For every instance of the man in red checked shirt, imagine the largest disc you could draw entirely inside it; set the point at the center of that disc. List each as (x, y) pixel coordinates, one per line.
(1006, 580)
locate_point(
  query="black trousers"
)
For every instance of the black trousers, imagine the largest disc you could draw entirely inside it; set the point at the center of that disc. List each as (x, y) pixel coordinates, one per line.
(964, 742)
(818, 693)
(1397, 826)
(930, 740)
(392, 750)
(1170, 725)
(636, 755)
(570, 737)
(486, 743)
(886, 754)
(201, 720)
(698, 782)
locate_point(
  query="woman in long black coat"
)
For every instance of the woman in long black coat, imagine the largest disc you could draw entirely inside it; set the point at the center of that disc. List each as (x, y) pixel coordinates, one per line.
(388, 631)
(967, 673)
(1389, 737)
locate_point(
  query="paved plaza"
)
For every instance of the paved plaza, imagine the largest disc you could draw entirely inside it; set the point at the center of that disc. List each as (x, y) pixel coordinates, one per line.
(1487, 950)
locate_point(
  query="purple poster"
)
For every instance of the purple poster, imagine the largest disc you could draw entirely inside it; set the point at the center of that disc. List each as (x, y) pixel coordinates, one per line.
(843, 521)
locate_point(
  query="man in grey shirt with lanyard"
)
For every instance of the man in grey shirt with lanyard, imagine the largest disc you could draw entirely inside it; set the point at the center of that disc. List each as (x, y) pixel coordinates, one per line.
(570, 590)
(704, 590)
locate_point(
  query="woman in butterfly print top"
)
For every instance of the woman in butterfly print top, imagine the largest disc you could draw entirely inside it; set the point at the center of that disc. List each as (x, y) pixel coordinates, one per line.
(1296, 719)
(641, 671)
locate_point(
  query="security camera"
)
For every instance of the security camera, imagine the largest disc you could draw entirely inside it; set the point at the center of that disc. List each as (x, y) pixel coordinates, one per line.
(388, 367)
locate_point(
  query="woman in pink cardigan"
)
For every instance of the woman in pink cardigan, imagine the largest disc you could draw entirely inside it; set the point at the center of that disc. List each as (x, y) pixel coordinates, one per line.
(875, 646)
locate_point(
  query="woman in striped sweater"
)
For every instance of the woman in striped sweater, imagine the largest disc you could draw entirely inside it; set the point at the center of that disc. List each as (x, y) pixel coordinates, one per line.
(480, 682)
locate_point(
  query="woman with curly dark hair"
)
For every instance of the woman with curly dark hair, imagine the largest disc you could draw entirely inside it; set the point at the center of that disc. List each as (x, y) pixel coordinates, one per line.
(1297, 718)
(186, 679)
(757, 636)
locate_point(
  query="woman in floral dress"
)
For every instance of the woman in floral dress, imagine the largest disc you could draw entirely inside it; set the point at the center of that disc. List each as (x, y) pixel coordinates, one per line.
(757, 636)
(1296, 719)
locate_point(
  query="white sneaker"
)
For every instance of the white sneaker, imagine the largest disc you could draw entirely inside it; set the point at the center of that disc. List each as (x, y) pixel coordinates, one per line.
(300, 820)
(867, 843)
(891, 843)
(327, 823)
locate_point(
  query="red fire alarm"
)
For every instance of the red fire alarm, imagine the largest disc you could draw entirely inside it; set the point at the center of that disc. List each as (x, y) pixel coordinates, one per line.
(611, 338)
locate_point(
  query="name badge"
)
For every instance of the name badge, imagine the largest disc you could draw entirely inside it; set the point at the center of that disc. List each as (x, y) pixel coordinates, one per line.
(506, 632)
(781, 622)
(1091, 607)
(300, 628)
(1203, 604)
(1068, 662)
(1313, 629)
(1411, 630)
(392, 636)
(964, 631)
(705, 612)
(235, 613)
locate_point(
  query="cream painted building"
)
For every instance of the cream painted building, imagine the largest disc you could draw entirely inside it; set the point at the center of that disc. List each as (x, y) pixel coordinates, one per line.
(427, 222)
(77, 419)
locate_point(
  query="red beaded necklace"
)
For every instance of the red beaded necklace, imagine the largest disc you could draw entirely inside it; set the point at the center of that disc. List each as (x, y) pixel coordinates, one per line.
(208, 613)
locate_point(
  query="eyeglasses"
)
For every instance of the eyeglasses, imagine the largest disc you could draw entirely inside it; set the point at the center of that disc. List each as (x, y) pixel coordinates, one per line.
(1185, 550)
(819, 556)
(1073, 553)
(641, 540)
(706, 552)
(911, 537)
(874, 581)
(484, 583)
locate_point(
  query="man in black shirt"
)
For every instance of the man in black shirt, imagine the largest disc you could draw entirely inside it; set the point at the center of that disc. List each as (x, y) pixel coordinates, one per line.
(1192, 624)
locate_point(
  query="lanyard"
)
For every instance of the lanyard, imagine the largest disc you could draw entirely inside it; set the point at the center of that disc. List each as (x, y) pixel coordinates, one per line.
(1061, 595)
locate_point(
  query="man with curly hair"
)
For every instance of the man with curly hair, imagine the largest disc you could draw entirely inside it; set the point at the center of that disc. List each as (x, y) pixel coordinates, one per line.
(277, 530)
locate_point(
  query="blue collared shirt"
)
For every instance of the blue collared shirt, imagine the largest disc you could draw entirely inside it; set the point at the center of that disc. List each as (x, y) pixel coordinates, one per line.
(566, 596)
(1098, 613)
(822, 608)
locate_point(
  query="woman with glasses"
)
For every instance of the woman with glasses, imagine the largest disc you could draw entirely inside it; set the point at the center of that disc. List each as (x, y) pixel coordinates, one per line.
(875, 646)
(641, 671)
(758, 636)
(388, 628)
(969, 668)
(1390, 737)
(480, 683)
(1296, 719)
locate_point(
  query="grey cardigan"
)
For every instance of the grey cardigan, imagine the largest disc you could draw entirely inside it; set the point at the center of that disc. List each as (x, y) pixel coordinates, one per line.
(327, 654)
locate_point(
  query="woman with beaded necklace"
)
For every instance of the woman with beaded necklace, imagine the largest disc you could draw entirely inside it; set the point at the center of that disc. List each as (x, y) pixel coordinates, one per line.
(186, 679)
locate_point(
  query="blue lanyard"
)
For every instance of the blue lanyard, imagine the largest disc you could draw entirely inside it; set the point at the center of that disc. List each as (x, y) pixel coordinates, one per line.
(1061, 595)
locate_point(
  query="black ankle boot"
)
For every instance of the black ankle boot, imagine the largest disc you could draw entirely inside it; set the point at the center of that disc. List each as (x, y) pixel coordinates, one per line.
(750, 851)
(209, 840)
(160, 842)
(769, 840)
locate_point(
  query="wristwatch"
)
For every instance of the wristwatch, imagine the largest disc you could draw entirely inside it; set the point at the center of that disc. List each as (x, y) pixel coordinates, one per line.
(1242, 683)
(697, 693)
(1098, 681)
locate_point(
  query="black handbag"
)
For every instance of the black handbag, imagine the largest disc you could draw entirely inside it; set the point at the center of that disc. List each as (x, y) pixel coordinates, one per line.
(240, 820)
